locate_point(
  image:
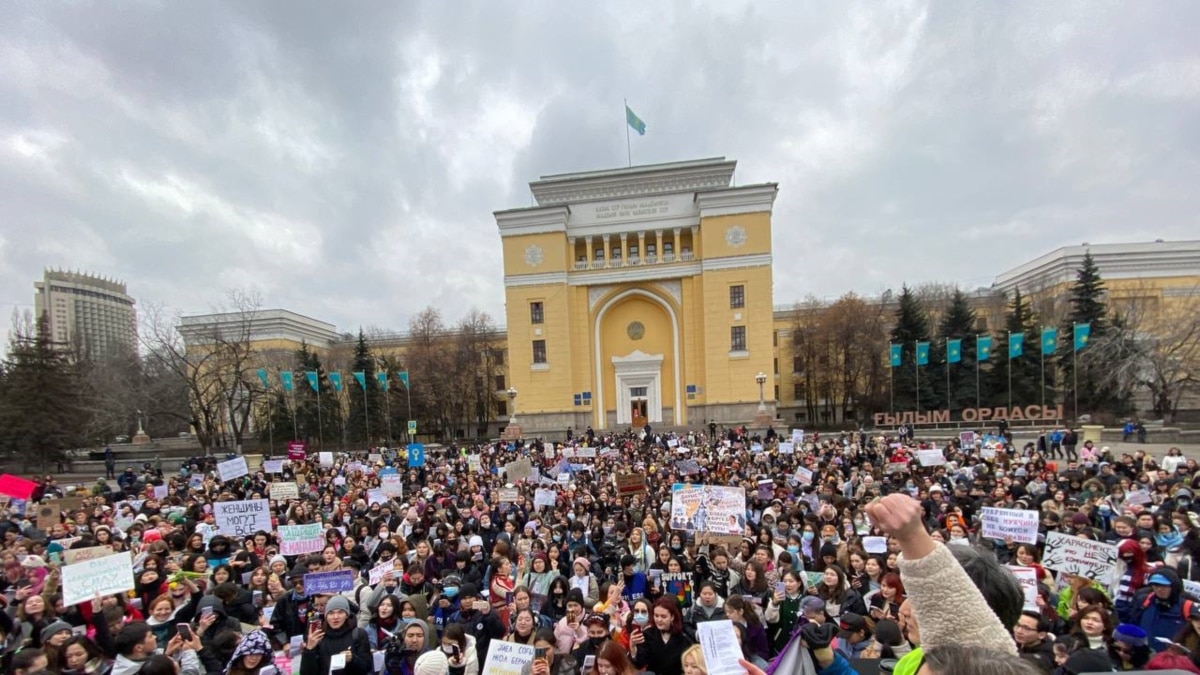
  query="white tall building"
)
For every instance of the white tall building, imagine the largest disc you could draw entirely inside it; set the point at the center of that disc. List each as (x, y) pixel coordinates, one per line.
(88, 312)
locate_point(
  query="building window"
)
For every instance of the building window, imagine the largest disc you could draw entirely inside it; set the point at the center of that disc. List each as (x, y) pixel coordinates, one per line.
(776, 393)
(775, 339)
(539, 351)
(498, 357)
(798, 392)
(796, 364)
(499, 383)
(776, 371)
(737, 296)
(536, 313)
(501, 408)
(737, 339)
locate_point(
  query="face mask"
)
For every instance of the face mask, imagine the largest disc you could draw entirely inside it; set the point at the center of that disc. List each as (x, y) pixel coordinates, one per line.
(557, 538)
(793, 548)
(1183, 501)
(485, 524)
(570, 516)
(384, 534)
(597, 641)
(641, 619)
(608, 529)
(809, 536)
(450, 591)
(449, 649)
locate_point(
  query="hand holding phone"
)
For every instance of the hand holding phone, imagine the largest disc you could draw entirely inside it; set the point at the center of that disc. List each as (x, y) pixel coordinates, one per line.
(185, 631)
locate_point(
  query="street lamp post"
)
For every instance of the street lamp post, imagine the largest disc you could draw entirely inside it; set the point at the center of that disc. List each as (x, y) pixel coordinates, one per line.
(762, 417)
(512, 406)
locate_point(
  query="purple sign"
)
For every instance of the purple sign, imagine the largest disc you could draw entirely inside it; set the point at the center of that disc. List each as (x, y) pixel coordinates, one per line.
(322, 583)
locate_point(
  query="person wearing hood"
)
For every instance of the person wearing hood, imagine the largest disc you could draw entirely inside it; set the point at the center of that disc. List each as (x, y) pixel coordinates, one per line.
(252, 653)
(1161, 609)
(291, 609)
(238, 602)
(213, 622)
(336, 635)
(415, 640)
(1132, 579)
(218, 552)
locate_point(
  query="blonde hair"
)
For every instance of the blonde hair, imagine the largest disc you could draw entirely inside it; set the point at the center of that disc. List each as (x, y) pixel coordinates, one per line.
(696, 655)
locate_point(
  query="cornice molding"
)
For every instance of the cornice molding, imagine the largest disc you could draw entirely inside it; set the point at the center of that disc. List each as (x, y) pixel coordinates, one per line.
(734, 201)
(634, 181)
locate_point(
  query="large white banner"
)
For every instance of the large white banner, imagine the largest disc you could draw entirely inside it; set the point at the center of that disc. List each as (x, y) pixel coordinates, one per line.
(241, 519)
(708, 508)
(105, 576)
(234, 468)
(1020, 525)
(1083, 557)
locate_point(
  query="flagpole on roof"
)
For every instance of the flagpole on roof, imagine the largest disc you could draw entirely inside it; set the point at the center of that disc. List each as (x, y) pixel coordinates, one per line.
(628, 147)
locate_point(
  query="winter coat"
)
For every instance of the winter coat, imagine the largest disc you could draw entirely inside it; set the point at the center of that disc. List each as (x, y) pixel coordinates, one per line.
(661, 658)
(1158, 617)
(348, 637)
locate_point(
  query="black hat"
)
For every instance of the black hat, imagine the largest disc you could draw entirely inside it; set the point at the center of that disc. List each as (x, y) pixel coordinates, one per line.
(850, 624)
(298, 571)
(628, 560)
(468, 591)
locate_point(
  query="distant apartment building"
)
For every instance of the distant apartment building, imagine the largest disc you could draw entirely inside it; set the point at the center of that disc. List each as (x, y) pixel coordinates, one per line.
(90, 313)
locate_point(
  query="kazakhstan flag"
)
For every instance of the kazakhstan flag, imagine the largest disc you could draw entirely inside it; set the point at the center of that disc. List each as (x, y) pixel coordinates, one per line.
(983, 347)
(922, 353)
(953, 351)
(894, 355)
(360, 376)
(335, 378)
(1016, 345)
(1049, 340)
(634, 121)
(1083, 331)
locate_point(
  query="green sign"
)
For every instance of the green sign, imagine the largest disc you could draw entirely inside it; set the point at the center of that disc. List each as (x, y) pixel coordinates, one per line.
(412, 427)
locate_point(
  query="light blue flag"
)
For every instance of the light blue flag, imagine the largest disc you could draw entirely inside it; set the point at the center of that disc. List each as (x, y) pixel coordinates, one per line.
(285, 378)
(1016, 345)
(312, 379)
(403, 377)
(264, 378)
(922, 353)
(894, 354)
(335, 378)
(634, 121)
(361, 378)
(416, 454)
(983, 347)
(381, 378)
(953, 351)
(1083, 332)
(1049, 340)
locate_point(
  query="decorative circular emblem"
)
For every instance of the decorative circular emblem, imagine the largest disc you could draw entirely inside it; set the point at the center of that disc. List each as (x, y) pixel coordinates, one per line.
(533, 255)
(735, 236)
(635, 330)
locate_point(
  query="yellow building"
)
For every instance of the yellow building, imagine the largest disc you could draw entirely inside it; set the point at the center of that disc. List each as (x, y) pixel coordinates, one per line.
(639, 295)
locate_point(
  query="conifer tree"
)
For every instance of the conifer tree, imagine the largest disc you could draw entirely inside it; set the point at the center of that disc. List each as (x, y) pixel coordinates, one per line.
(1025, 368)
(324, 426)
(957, 323)
(912, 326)
(369, 408)
(1108, 346)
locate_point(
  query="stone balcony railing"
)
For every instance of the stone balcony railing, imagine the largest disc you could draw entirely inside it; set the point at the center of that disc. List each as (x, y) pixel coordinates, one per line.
(634, 261)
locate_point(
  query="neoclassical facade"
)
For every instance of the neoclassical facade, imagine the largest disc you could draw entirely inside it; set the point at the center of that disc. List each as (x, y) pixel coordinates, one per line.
(639, 295)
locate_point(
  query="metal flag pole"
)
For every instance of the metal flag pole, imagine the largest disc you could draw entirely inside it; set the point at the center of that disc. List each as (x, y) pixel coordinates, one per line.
(628, 151)
(1010, 360)
(1074, 371)
(892, 389)
(949, 406)
(917, 370)
(366, 412)
(977, 372)
(1042, 367)
(320, 417)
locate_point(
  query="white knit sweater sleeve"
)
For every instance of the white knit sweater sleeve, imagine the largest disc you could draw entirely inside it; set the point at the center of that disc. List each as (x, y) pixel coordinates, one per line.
(948, 607)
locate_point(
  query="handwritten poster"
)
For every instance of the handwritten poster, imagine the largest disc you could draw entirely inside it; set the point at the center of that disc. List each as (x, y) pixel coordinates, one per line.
(1020, 525)
(284, 491)
(300, 539)
(507, 658)
(708, 508)
(233, 468)
(105, 576)
(1083, 557)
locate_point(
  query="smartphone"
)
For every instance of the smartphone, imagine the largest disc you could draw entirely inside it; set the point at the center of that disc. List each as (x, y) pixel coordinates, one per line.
(185, 631)
(480, 605)
(539, 652)
(257, 597)
(779, 587)
(205, 612)
(589, 662)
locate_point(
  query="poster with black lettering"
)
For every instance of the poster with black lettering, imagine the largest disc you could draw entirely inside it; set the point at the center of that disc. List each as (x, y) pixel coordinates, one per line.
(1083, 557)
(240, 519)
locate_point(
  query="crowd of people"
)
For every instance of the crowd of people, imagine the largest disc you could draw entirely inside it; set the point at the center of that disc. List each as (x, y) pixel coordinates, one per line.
(599, 583)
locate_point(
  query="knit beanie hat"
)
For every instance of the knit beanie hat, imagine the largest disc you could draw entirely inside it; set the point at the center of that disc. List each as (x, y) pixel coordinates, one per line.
(587, 564)
(337, 603)
(1088, 661)
(55, 627)
(431, 663)
(1130, 634)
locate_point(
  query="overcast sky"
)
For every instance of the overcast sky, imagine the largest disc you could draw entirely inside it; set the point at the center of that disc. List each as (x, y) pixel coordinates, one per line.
(345, 158)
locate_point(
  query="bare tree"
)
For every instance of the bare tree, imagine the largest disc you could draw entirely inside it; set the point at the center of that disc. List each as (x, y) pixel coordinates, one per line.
(1159, 335)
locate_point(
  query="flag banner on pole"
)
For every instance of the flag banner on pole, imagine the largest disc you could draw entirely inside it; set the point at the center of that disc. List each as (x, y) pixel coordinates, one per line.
(381, 378)
(285, 378)
(953, 351)
(983, 347)
(922, 353)
(403, 377)
(635, 122)
(335, 378)
(1049, 340)
(1083, 331)
(1016, 345)
(312, 379)
(361, 378)
(894, 354)
(264, 378)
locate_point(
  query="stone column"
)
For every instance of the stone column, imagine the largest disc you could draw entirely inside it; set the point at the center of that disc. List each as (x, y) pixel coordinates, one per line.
(658, 250)
(591, 254)
(607, 252)
(624, 250)
(641, 246)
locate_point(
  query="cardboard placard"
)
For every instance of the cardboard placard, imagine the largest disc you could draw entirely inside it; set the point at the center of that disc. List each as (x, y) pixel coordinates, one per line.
(233, 468)
(1083, 557)
(242, 518)
(284, 491)
(630, 484)
(1020, 525)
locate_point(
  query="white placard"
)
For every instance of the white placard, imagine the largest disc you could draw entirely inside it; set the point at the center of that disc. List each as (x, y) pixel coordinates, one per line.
(233, 468)
(672, 442)
(1027, 576)
(930, 457)
(520, 469)
(568, 452)
(548, 453)
(273, 466)
(564, 479)
(375, 457)
(506, 658)
(875, 544)
(104, 576)
(160, 492)
(242, 519)
(284, 491)
(586, 453)
(1138, 497)
(473, 463)
(1075, 555)
(377, 572)
(787, 448)
(798, 436)
(376, 496)
(325, 459)
(1020, 525)
(719, 645)
(391, 484)
(804, 476)
(544, 497)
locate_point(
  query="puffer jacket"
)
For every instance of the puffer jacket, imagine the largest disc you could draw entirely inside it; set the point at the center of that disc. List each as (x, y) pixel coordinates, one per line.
(348, 637)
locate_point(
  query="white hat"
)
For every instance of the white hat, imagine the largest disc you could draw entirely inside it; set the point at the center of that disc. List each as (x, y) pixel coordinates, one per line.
(431, 663)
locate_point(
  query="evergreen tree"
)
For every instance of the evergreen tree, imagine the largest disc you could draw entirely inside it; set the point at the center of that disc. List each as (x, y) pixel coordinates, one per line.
(275, 422)
(371, 407)
(912, 326)
(1025, 369)
(957, 323)
(1098, 392)
(44, 407)
(323, 425)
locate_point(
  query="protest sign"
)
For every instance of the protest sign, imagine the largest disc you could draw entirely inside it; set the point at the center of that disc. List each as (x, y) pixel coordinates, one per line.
(708, 508)
(375, 457)
(895, 467)
(966, 439)
(325, 459)
(875, 544)
(284, 491)
(244, 518)
(804, 476)
(586, 453)
(630, 484)
(47, 517)
(376, 496)
(756, 448)
(17, 487)
(1027, 577)
(70, 505)
(506, 658)
(473, 463)
(160, 492)
(391, 484)
(300, 539)
(519, 470)
(273, 466)
(720, 647)
(1191, 589)
(798, 436)
(568, 452)
(672, 442)
(1083, 557)
(296, 451)
(766, 489)
(337, 581)
(1138, 497)
(544, 497)
(930, 457)
(813, 579)
(78, 555)
(107, 575)
(377, 572)
(787, 448)
(548, 453)
(688, 466)
(988, 452)
(1020, 525)
(679, 586)
(233, 468)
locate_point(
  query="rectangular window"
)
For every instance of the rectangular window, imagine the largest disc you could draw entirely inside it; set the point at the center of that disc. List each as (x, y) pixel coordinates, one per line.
(796, 364)
(539, 351)
(776, 392)
(737, 339)
(737, 296)
(501, 408)
(536, 313)
(798, 392)
(776, 371)
(499, 383)
(498, 356)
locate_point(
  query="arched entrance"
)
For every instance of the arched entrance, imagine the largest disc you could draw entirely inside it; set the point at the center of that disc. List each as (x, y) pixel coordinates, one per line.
(637, 364)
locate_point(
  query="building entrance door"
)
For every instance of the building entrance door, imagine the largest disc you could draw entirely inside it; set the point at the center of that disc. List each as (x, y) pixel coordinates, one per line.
(638, 407)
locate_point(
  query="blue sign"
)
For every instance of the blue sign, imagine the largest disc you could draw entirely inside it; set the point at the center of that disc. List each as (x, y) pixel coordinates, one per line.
(320, 583)
(416, 454)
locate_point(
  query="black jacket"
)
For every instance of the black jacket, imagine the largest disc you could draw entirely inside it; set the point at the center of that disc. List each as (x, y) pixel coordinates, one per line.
(483, 627)
(348, 637)
(661, 658)
(286, 621)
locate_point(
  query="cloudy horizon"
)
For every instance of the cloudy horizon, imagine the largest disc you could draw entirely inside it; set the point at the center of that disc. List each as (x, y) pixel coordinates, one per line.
(345, 160)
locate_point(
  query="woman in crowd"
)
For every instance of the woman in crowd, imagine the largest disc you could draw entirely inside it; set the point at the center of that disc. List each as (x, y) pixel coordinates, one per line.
(783, 610)
(839, 599)
(659, 648)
